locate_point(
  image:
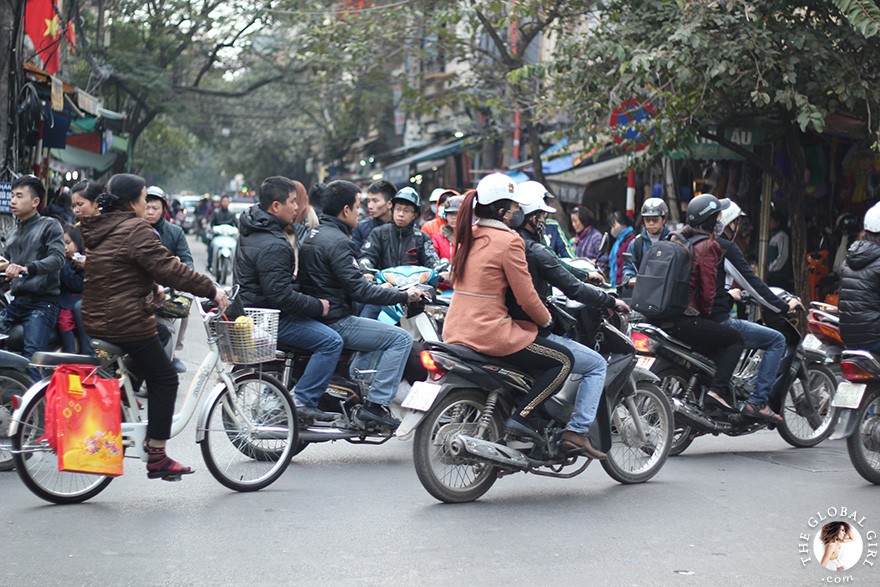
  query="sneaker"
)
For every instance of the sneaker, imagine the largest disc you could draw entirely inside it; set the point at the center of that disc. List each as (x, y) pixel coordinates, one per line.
(378, 414)
(314, 413)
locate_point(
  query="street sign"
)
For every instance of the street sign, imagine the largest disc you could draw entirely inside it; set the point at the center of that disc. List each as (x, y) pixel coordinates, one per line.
(5, 197)
(628, 124)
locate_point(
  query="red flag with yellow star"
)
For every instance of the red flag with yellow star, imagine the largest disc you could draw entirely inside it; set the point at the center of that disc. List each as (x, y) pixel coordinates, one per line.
(43, 27)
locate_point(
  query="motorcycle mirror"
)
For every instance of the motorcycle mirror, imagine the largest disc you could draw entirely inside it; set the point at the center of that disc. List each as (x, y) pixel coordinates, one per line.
(605, 244)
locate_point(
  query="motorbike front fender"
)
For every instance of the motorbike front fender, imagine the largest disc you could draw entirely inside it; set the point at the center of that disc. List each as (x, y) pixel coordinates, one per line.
(640, 374)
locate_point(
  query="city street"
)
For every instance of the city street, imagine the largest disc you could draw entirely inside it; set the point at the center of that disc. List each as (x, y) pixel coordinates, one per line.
(729, 511)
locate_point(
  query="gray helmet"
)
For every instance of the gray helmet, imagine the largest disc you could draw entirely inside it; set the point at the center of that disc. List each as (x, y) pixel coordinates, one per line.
(408, 195)
(654, 207)
(704, 207)
(453, 205)
(154, 192)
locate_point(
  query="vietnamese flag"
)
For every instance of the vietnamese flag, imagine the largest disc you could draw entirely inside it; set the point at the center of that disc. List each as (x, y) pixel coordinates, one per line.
(42, 25)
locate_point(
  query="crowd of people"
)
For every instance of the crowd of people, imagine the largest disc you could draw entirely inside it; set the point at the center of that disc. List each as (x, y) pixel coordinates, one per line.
(311, 256)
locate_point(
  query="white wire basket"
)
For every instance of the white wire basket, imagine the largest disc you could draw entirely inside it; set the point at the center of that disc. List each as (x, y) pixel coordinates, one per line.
(250, 339)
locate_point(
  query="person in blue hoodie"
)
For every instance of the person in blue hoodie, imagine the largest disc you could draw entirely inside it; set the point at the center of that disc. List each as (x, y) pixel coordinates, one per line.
(623, 233)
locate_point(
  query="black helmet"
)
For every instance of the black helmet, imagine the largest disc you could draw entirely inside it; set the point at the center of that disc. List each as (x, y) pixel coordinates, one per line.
(847, 222)
(703, 208)
(409, 196)
(654, 207)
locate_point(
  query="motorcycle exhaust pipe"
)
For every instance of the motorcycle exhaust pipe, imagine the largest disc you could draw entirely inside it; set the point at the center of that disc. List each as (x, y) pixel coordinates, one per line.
(466, 446)
(693, 417)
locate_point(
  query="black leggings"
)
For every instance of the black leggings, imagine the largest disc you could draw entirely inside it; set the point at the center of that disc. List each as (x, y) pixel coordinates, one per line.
(150, 363)
(722, 343)
(550, 363)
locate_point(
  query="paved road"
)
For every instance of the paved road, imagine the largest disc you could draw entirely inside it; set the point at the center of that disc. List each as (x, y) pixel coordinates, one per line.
(729, 511)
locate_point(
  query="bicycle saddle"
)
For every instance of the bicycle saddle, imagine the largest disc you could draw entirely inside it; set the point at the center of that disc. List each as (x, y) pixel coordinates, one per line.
(46, 359)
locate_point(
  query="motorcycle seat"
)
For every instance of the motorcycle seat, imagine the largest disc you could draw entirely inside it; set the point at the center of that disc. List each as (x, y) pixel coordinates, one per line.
(44, 359)
(107, 347)
(468, 354)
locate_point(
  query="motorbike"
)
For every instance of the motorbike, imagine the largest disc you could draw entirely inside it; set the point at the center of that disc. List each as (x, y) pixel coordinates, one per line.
(858, 399)
(802, 393)
(823, 324)
(460, 448)
(223, 243)
(423, 320)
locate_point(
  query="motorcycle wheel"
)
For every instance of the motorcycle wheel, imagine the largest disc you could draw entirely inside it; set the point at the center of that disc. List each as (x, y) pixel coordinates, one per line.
(454, 479)
(805, 425)
(12, 383)
(631, 460)
(674, 382)
(864, 444)
(37, 464)
(222, 270)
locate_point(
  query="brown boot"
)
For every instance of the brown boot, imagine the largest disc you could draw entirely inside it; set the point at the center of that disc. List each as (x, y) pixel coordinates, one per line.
(574, 442)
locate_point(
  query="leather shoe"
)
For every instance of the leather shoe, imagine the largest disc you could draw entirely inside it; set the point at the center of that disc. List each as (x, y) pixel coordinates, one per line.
(313, 413)
(574, 442)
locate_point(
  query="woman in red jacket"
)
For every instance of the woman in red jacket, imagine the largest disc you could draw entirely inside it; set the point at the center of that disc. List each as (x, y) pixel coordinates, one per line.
(489, 260)
(695, 326)
(444, 239)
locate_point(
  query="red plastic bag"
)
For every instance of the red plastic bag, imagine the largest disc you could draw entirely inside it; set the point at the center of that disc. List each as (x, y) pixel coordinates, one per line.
(84, 420)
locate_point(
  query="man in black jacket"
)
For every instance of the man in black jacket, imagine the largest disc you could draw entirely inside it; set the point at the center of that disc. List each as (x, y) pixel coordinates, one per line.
(221, 215)
(330, 270)
(737, 271)
(35, 251)
(547, 271)
(379, 196)
(266, 270)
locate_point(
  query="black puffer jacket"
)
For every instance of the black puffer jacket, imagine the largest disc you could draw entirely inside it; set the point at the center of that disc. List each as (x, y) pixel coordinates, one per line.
(38, 244)
(547, 271)
(264, 264)
(860, 295)
(329, 270)
(389, 246)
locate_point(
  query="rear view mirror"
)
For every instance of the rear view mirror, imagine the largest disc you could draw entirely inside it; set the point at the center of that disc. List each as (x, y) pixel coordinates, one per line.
(605, 245)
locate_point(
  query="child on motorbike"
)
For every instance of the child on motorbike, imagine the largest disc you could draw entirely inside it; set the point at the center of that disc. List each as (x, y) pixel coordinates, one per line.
(489, 261)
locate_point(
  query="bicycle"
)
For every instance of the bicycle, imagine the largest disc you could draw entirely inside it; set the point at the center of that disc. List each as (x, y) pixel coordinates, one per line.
(247, 427)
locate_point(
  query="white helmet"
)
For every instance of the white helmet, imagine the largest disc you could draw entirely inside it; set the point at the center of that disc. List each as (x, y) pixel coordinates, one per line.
(731, 213)
(872, 218)
(497, 186)
(534, 193)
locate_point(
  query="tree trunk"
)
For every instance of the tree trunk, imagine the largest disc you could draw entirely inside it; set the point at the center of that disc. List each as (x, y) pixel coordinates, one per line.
(534, 141)
(796, 207)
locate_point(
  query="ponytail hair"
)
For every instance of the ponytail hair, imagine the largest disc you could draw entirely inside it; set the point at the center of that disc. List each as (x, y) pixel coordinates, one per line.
(121, 191)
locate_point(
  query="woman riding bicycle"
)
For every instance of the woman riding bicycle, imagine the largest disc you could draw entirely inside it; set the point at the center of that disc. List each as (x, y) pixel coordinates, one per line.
(491, 259)
(120, 295)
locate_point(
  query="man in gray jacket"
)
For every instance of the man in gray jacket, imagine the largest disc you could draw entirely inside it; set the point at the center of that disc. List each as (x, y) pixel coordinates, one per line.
(35, 250)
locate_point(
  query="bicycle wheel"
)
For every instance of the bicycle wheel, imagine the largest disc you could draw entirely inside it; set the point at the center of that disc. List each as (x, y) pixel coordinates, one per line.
(37, 463)
(246, 425)
(12, 383)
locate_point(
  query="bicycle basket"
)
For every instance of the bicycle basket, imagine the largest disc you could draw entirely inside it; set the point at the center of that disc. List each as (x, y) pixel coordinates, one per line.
(250, 339)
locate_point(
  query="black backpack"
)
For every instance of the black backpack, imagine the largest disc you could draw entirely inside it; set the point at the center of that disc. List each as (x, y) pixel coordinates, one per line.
(662, 285)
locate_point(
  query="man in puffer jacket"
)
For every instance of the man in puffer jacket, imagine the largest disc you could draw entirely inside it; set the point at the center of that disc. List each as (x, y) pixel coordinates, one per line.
(860, 288)
(266, 269)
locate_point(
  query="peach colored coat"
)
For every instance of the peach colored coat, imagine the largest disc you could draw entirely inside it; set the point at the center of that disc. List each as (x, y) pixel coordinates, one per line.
(478, 317)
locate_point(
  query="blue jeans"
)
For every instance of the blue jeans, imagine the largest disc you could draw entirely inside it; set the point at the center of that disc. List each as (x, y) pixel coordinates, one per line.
(772, 343)
(37, 319)
(325, 345)
(365, 335)
(591, 365)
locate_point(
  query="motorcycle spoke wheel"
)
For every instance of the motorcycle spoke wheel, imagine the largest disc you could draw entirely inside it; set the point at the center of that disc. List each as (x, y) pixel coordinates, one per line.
(674, 384)
(250, 433)
(864, 444)
(632, 459)
(807, 421)
(12, 383)
(37, 464)
(448, 478)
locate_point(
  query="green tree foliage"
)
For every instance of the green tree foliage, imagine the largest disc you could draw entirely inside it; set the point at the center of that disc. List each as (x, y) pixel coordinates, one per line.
(779, 64)
(863, 15)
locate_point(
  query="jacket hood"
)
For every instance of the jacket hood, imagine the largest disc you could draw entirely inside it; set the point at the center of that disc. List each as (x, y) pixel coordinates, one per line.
(254, 219)
(861, 254)
(95, 229)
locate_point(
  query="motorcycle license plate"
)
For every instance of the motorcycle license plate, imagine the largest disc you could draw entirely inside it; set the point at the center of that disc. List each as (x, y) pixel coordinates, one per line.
(645, 362)
(849, 395)
(421, 397)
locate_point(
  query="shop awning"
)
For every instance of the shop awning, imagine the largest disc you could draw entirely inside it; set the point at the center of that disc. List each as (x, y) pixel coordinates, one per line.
(399, 171)
(569, 186)
(82, 159)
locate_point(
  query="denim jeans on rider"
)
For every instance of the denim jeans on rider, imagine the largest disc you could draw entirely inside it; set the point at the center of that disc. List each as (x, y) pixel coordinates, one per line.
(325, 345)
(38, 321)
(772, 342)
(592, 366)
(365, 335)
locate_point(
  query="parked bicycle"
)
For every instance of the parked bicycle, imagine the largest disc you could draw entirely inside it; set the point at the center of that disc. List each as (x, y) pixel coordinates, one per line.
(246, 429)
